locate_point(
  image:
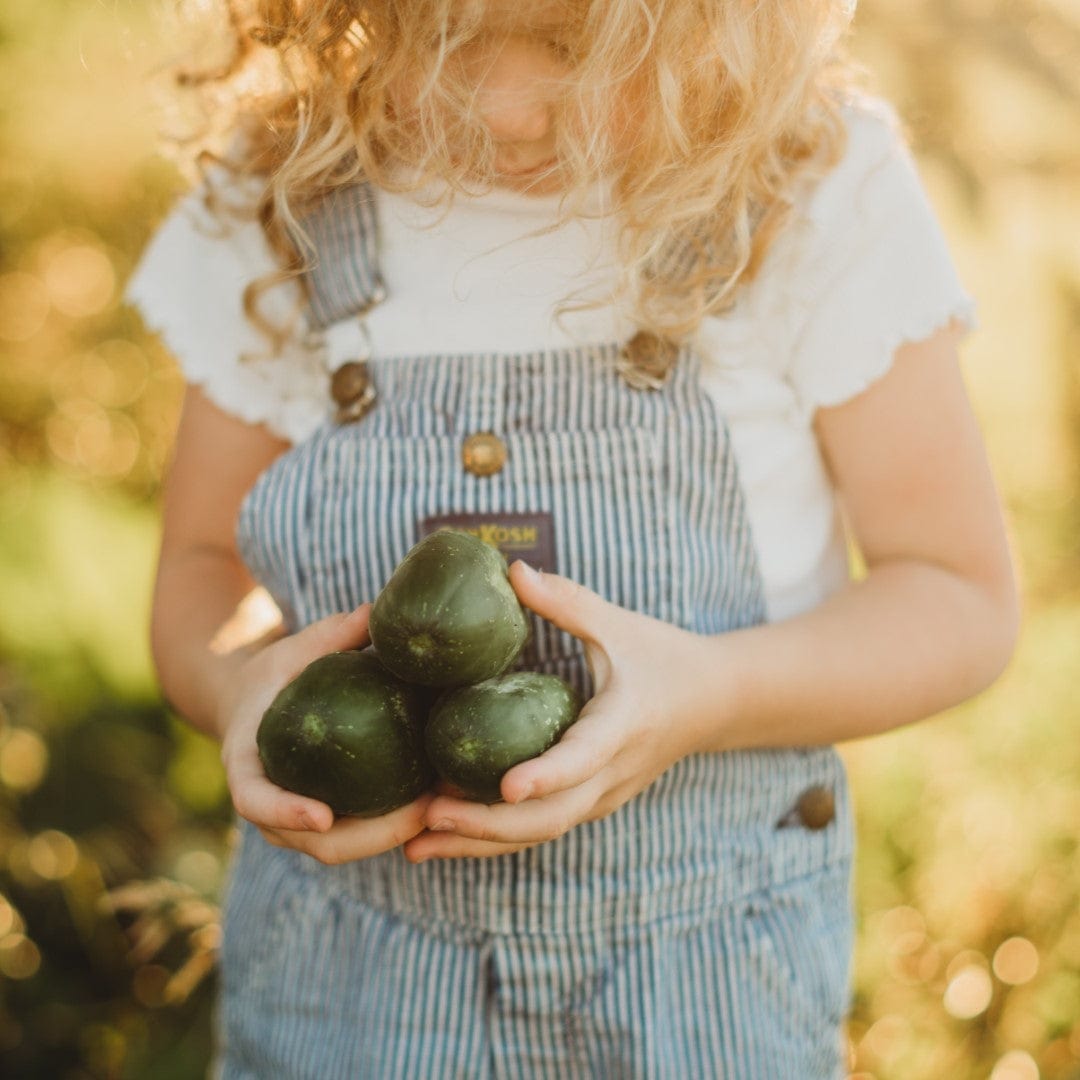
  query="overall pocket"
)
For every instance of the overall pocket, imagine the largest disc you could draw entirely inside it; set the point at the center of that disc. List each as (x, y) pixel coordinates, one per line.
(799, 940)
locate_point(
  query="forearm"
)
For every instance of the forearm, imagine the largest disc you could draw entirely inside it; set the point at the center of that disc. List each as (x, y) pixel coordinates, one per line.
(910, 640)
(203, 627)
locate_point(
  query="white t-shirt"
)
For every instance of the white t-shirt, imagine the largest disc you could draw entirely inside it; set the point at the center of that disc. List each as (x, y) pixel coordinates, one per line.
(862, 268)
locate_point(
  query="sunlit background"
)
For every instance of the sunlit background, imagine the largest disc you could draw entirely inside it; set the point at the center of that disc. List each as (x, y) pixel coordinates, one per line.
(114, 818)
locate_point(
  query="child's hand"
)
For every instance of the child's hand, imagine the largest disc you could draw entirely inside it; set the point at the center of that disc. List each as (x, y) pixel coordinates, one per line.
(646, 714)
(284, 818)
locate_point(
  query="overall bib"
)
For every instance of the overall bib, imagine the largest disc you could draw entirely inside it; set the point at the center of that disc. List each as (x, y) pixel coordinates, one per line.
(702, 930)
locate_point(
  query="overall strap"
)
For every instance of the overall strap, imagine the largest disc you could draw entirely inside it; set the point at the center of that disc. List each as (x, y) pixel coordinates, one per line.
(344, 280)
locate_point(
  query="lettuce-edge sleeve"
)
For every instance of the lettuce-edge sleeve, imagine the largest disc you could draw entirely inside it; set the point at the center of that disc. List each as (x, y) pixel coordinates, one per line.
(189, 285)
(870, 269)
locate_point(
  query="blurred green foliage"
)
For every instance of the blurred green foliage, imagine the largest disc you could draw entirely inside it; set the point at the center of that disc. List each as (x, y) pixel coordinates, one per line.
(114, 818)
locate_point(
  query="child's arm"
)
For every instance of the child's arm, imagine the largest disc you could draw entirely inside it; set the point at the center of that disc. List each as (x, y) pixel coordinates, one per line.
(218, 673)
(933, 623)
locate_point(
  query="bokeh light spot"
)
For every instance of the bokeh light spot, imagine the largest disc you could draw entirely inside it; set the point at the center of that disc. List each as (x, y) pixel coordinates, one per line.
(20, 958)
(24, 760)
(18, 863)
(929, 964)
(115, 373)
(107, 444)
(52, 855)
(199, 869)
(901, 920)
(1015, 1065)
(77, 429)
(909, 941)
(9, 918)
(82, 433)
(92, 436)
(80, 280)
(104, 1048)
(1016, 961)
(888, 1037)
(969, 992)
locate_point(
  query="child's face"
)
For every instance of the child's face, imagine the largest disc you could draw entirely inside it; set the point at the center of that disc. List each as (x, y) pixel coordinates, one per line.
(517, 69)
(516, 74)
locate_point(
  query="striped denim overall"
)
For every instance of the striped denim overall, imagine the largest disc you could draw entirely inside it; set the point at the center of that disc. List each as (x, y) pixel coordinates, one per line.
(698, 931)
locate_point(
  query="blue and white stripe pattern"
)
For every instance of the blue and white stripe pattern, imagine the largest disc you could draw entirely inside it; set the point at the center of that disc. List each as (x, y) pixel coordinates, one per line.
(342, 234)
(685, 935)
(322, 986)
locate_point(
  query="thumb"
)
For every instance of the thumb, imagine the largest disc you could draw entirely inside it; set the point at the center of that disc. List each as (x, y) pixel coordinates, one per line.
(345, 630)
(570, 606)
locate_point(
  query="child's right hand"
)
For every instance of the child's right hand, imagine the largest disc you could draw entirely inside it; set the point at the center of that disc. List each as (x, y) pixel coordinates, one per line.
(285, 818)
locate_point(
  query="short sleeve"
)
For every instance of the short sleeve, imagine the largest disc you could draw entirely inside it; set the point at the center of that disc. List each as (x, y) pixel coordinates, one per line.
(189, 286)
(869, 266)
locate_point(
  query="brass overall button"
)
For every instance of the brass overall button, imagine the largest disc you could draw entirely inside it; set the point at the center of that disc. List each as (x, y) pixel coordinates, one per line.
(646, 361)
(352, 391)
(483, 453)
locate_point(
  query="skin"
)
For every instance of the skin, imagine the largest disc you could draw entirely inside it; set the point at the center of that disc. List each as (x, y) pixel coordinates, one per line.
(933, 622)
(518, 68)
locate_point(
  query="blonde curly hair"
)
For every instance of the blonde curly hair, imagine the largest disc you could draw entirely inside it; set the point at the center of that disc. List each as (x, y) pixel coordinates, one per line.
(733, 102)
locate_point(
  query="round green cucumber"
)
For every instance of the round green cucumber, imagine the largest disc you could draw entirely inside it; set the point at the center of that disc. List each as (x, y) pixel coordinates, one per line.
(347, 732)
(476, 733)
(448, 616)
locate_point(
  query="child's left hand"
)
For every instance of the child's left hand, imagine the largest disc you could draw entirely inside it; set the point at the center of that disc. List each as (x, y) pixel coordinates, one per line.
(646, 714)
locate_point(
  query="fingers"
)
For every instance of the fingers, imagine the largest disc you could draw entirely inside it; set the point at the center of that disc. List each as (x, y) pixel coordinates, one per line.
(429, 845)
(565, 603)
(352, 838)
(586, 747)
(295, 821)
(265, 804)
(451, 822)
(287, 657)
(335, 633)
(285, 818)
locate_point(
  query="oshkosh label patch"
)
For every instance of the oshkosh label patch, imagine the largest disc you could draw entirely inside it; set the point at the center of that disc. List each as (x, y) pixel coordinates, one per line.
(518, 536)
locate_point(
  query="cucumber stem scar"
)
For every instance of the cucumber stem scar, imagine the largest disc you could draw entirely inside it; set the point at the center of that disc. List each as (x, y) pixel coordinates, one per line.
(313, 728)
(421, 644)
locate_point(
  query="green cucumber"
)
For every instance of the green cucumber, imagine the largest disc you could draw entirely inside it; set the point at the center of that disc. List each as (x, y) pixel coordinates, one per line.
(476, 733)
(349, 733)
(448, 616)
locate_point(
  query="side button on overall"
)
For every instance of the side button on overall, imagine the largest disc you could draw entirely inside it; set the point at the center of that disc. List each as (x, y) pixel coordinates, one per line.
(815, 808)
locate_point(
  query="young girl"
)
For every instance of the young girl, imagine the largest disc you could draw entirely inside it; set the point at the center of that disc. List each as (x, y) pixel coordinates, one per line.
(648, 289)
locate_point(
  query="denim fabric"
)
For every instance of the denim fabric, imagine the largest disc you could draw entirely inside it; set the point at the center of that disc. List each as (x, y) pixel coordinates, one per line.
(684, 935)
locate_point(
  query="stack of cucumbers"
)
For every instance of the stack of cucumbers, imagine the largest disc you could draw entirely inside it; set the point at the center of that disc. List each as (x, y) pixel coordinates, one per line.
(367, 731)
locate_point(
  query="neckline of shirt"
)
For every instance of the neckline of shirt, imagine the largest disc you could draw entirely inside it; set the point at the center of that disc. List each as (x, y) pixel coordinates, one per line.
(593, 203)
